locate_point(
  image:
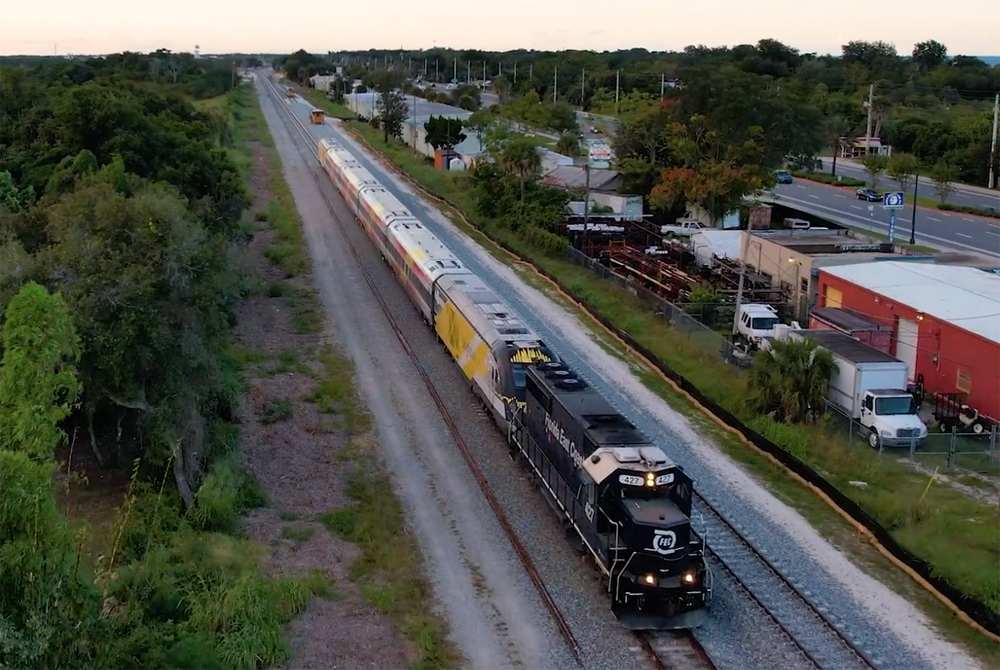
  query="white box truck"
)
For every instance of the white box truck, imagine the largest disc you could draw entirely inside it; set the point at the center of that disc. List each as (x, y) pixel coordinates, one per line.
(870, 386)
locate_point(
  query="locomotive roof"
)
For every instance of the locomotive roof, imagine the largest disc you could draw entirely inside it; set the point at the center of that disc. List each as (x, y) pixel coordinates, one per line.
(599, 419)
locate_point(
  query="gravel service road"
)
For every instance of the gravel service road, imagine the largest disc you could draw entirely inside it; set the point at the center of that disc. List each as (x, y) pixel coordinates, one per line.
(497, 619)
(876, 618)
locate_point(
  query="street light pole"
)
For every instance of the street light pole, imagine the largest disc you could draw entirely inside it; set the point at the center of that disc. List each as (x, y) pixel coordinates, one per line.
(913, 217)
(586, 206)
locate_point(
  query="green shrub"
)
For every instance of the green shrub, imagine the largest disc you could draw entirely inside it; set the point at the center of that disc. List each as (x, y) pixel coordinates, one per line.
(226, 491)
(966, 209)
(826, 178)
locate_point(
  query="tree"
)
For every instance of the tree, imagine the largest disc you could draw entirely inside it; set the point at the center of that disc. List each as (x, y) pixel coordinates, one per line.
(902, 168)
(392, 110)
(929, 55)
(520, 159)
(12, 197)
(875, 165)
(944, 175)
(501, 86)
(568, 144)
(711, 173)
(38, 385)
(444, 132)
(788, 381)
(46, 605)
(479, 122)
(391, 106)
(837, 128)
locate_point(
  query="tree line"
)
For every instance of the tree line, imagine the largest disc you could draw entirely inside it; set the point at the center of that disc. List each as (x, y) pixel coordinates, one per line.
(927, 103)
(121, 213)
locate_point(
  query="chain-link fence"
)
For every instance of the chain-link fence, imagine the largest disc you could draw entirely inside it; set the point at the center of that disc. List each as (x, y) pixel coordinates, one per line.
(951, 451)
(686, 320)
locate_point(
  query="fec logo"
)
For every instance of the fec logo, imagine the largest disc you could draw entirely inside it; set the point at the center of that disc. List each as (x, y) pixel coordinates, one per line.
(664, 541)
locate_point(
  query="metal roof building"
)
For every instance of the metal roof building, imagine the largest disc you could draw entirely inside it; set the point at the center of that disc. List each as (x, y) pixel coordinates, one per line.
(964, 296)
(945, 321)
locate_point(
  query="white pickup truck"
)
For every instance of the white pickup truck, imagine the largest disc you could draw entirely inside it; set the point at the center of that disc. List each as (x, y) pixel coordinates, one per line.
(682, 228)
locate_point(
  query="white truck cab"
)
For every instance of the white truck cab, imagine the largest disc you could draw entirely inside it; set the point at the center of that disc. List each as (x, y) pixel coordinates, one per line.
(889, 416)
(756, 321)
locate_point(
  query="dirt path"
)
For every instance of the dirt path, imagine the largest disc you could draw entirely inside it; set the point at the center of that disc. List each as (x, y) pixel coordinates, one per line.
(292, 449)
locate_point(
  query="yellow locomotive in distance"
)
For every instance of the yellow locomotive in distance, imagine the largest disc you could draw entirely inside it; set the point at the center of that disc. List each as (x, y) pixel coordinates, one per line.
(289, 93)
(316, 116)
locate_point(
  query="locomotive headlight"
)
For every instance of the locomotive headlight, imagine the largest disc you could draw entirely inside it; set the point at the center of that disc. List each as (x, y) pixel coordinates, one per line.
(650, 479)
(688, 578)
(649, 579)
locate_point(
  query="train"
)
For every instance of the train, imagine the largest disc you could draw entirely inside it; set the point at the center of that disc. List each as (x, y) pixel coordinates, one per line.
(628, 504)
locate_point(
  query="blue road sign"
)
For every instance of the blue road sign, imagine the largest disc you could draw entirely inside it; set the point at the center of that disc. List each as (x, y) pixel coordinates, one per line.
(893, 200)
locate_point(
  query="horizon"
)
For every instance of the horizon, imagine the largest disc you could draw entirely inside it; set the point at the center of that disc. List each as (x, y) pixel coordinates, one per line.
(229, 26)
(209, 54)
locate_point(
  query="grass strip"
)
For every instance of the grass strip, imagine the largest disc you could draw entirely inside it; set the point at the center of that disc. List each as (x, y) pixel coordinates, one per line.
(390, 571)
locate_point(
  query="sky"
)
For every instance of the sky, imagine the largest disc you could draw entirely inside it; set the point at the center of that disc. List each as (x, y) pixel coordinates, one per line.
(969, 27)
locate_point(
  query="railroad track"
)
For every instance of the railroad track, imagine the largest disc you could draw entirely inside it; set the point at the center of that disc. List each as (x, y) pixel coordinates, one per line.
(806, 624)
(807, 627)
(529, 566)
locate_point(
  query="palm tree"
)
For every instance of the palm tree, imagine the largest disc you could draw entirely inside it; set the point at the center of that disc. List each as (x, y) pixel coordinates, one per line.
(837, 128)
(520, 158)
(788, 382)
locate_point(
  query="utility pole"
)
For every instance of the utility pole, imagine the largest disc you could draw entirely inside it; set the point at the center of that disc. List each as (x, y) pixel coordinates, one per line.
(618, 74)
(515, 72)
(663, 85)
(437, 70)
(531, 71)
(871, 107)
(583, 87)
(555, 83)
(468, 72)
(743, 272)
(484, 73)
(993, 144)
(454, 74)
(414, 125)
(913, 216)
(425, 68)
(586, 204)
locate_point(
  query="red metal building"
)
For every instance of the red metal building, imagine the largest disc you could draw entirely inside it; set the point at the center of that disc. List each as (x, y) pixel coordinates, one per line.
(945, 321)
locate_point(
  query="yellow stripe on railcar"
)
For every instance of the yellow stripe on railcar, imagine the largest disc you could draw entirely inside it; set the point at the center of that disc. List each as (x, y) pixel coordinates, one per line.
(463, 342)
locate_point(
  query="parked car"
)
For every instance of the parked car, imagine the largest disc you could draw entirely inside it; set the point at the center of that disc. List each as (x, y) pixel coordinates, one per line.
(869, 195)
(683, 228)
(784, 177)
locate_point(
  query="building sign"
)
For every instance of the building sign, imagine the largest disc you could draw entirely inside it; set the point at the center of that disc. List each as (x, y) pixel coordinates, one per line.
(598, 154)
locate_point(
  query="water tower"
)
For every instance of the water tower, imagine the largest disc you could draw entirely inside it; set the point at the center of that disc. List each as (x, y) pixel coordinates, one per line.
(197, 51)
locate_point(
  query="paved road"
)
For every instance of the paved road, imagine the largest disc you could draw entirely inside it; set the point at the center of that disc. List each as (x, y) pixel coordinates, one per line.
(949, 230)
(973, 196)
